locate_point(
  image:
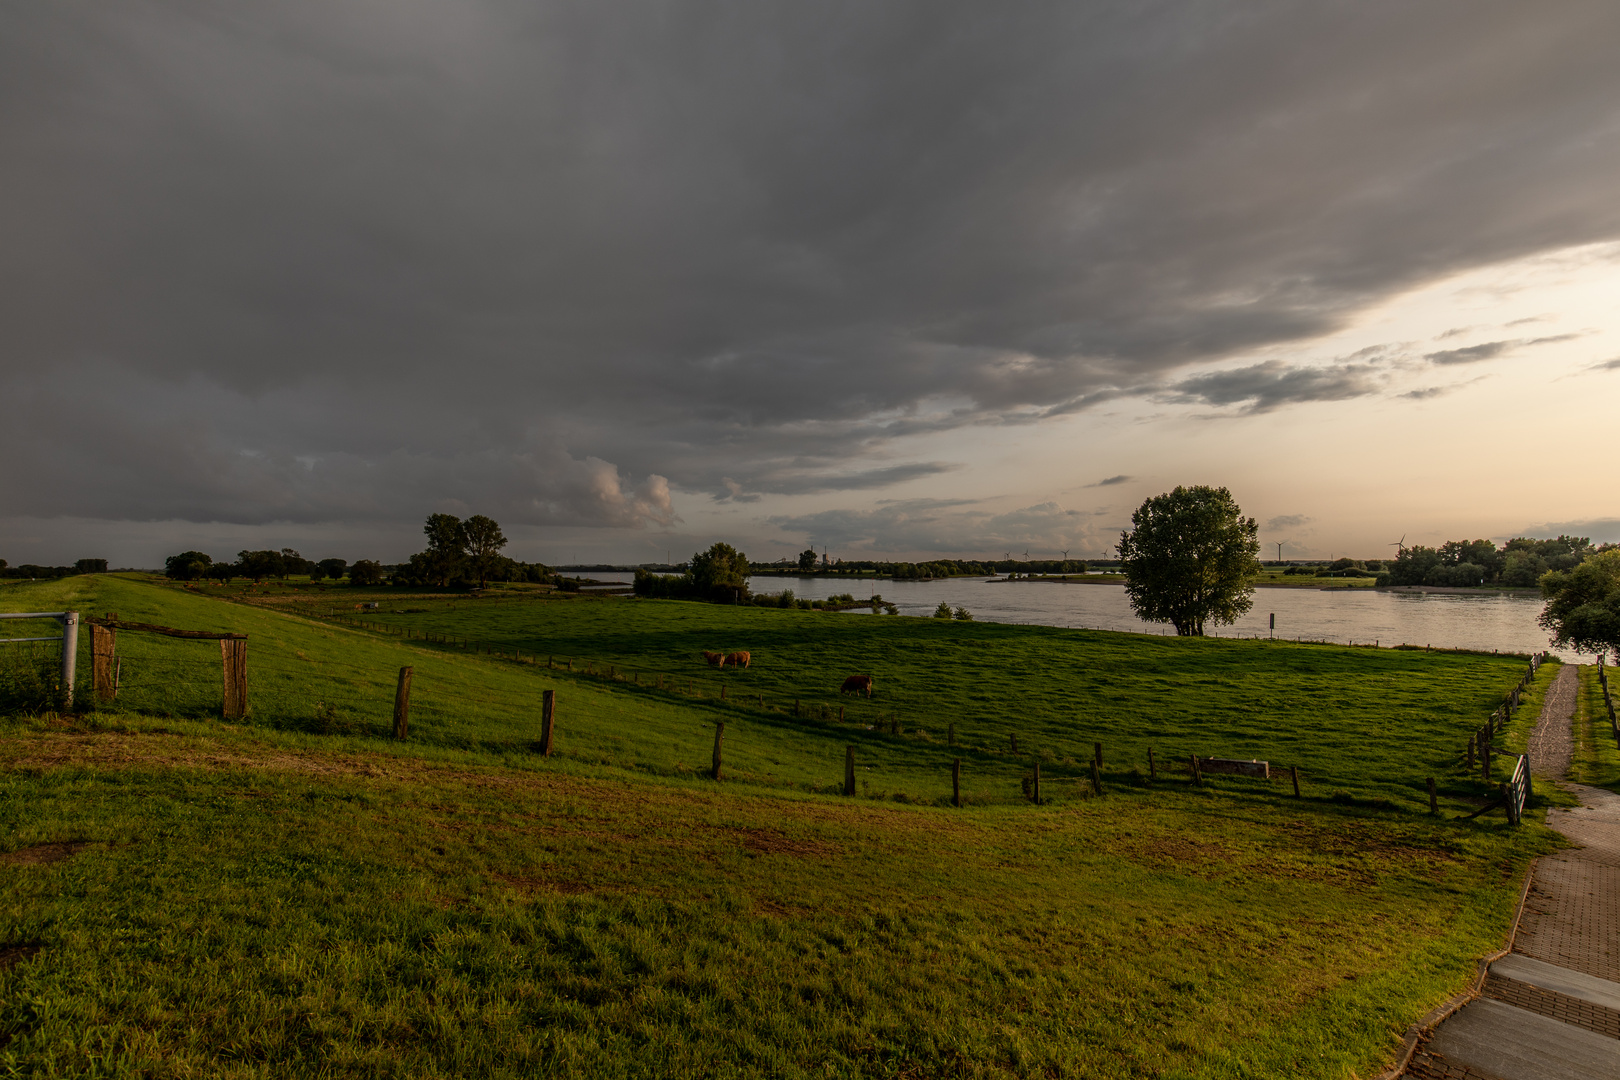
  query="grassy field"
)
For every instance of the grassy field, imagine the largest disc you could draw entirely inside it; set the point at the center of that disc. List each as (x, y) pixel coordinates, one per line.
(300, 894)
(1597, 759)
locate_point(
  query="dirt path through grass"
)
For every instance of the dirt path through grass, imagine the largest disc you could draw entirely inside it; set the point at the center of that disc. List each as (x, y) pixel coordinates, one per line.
(1552, 744)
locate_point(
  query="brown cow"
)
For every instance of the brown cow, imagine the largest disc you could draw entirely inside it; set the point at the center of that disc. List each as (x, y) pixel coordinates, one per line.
(737, 659)
(715, 659)
(857, 684)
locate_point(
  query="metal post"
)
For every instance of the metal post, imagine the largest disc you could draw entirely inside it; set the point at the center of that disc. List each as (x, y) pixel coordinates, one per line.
(70, 655)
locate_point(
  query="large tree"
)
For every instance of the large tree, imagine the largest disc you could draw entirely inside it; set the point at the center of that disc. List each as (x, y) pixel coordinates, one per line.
(1583, 604)
(1190, 558)
(484, 541)
(721, 573)
(447, 547)
(187, 566)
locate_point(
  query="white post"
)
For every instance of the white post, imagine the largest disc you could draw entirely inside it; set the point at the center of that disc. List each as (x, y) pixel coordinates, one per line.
(70, 655)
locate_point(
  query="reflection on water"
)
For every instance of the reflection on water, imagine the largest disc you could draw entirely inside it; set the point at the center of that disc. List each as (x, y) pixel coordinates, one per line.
(1501, 621)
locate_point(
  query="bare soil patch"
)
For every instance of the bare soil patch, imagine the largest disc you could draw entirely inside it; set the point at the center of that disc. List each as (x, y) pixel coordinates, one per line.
(16, 954)
(42, 854)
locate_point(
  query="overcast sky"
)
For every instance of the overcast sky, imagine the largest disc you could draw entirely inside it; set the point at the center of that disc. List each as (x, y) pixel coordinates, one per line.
(900, 278)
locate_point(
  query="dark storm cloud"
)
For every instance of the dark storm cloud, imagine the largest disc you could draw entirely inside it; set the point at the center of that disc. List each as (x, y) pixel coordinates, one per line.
(1271, 385)
(1490, 350)
(303, 261)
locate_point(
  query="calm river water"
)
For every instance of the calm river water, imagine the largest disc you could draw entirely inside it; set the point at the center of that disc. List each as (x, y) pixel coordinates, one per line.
(1502, 621)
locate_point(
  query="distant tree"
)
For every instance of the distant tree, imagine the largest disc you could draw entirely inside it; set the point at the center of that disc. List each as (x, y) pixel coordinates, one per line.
(292, 563)
(807, 560)
(1583, 604)
(447, 547)
(483, 541)
(259, 565)
(943, 611)
(365, 573)
(962, 614)
(332, 568)
(721, 573)
(1190, 559)
(90, 566)
(1410, 566)
(223, 572)
(186, 566)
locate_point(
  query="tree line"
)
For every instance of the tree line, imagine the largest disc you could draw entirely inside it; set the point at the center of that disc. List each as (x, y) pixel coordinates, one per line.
(459, 554)
(1519, 563)
(29, 570)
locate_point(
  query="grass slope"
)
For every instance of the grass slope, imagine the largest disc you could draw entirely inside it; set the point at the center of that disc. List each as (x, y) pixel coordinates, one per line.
(258, 899)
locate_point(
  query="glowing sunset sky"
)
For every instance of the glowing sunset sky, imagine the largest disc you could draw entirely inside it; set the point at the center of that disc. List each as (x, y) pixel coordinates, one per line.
(899, 279)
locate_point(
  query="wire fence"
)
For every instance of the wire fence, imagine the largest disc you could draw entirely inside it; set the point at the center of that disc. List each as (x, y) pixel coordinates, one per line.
(30, 676)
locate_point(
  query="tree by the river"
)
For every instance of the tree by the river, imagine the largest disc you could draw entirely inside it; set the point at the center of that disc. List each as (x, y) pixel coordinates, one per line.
(1190, 559)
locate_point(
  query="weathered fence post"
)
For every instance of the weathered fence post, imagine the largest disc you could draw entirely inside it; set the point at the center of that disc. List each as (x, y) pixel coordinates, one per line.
(1485, 760)
(849, 770)
(1472, 739)
(1434, 803)
(103, 643)
(402, 703)
(956, 782)
(1096, 777)
(719, 737)
(1293, 772)
(1153, 772)
(70, 655)
(548, 721)
(1037, 790)
(722, 691)
(1097, 750)
(1014, 743)
(840, 708)
(950, 735)
(233, 662)
(1198, 777)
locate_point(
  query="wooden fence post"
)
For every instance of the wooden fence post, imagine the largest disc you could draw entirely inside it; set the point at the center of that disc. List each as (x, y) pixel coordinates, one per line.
(719, 737)
(956, 782)
(1037, 791)
(548, 721)
(722, 691)
(1153, 772)
(402, 704)
(849, 770)
(233, 660)
(103, 643)
(1014, 743)
(1293, 773)
(950, 736)
(1485, 760)
(840, 708)
(1096, 777)
(1198, 777)
(1098, 751)
(1434, 804)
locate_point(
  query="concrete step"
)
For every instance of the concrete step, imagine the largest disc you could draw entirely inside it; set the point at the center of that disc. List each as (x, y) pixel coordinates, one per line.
(1492, 1039)
(1571, 996)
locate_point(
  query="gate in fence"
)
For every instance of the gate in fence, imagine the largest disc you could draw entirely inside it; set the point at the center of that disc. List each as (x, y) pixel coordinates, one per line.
(69, 639)
(232, 652)
(1516, 790)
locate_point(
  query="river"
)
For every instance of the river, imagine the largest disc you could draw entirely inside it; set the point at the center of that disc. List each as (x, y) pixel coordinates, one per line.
(1487, 620)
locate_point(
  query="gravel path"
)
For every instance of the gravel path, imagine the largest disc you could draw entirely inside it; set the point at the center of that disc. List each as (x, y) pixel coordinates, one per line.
(1552, 744)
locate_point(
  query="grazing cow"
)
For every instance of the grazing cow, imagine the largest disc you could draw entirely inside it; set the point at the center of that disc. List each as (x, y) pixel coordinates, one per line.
(857, 684)
(715, 659)
(737, 659)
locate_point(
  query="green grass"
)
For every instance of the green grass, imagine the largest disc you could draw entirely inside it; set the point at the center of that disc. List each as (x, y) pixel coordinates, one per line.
(301, 895)
(1596, 760)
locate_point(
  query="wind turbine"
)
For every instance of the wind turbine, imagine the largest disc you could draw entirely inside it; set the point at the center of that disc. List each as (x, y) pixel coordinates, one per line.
(1399, 545)
(1280, 544)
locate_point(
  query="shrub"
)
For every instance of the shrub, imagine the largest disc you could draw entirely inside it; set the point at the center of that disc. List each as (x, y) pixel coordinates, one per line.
(943, 611)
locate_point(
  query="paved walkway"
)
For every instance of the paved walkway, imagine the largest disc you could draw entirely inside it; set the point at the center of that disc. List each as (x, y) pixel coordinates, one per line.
(1550, 1009)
